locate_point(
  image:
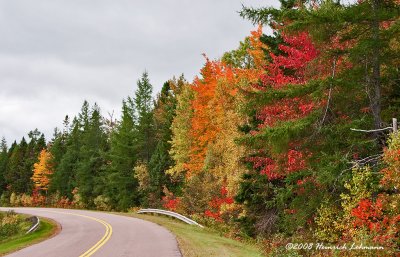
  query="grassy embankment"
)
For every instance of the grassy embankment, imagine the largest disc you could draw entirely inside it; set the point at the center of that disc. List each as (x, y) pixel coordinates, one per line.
(195, 241)
(47, 228)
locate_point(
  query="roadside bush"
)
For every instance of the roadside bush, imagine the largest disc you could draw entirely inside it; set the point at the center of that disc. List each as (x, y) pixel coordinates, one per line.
(26, 200)
(4, 199)
(11, 224)
(15, 200)
(199, 191)
(77, 199)
(102, 203)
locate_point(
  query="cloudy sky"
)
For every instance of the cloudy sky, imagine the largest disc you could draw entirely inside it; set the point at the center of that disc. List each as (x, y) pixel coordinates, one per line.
(56, 53)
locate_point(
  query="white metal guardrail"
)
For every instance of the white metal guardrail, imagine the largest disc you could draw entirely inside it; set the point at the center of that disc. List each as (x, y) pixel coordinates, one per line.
(171, 214)
(35, 226)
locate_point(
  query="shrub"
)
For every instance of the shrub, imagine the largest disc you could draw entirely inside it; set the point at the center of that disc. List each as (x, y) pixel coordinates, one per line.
(102, 203)
(26, 200)
(4, 199)
(9, 225)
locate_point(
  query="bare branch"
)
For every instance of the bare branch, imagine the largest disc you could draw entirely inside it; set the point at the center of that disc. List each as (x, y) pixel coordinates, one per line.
(371, 130)
(329, 94)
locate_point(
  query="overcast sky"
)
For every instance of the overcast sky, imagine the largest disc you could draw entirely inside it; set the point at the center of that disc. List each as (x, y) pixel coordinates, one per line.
(54, 53)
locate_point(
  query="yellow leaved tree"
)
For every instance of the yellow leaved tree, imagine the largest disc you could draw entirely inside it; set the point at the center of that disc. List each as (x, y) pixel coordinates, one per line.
(42, 170)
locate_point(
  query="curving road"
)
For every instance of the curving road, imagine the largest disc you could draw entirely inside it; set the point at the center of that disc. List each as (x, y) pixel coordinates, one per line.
(87, 233)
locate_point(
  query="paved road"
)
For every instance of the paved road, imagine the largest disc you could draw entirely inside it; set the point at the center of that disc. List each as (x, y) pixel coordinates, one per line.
(86, 233)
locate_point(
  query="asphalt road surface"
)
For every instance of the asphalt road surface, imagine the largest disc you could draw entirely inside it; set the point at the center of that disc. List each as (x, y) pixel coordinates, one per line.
(86, 233)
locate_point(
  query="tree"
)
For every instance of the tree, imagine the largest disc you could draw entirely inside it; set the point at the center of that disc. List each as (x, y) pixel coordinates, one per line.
(282, 110)
(3, 164)
(42, 171)
(144, 107)
(91, 155)
(16, 177)
(161, 161)
(121, 184)
(365, 33)
(203, 130)
(180, 128)
(308, 98)
(240, 57)
(57, 148)
(63, 179)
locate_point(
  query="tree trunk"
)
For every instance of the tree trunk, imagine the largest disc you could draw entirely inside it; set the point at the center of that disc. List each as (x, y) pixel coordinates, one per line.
(375, 81)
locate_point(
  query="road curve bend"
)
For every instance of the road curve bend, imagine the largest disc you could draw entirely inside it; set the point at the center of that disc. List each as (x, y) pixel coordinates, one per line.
(88, 233)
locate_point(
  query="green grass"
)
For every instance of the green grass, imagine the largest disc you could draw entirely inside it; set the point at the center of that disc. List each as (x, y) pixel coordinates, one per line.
(195, 241)
(46, 229)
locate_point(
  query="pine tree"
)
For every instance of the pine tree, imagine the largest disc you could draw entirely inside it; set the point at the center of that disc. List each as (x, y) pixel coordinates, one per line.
(299, 139)
(57, 149)
(364, 33)
(91, 155)
(36, 144)
(161, 161)
(3, 164)
(64, 176)
(122, 186)
(16, 174)
(145, 126)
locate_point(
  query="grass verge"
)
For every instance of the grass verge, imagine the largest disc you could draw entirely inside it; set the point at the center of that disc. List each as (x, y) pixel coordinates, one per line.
(196, 242)
(47, 228)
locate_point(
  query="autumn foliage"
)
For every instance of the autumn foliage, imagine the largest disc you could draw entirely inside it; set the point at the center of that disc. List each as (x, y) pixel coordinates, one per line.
(261, 143)
(42, 171)
(380, 216)
(216, 204)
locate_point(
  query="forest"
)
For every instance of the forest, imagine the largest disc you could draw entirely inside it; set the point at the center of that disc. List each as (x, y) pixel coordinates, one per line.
(288, 138)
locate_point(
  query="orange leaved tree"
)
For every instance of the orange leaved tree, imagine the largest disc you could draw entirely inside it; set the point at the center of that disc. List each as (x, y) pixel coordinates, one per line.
(42, 169)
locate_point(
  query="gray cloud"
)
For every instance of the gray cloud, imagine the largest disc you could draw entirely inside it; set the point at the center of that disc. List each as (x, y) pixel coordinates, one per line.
(54, 54)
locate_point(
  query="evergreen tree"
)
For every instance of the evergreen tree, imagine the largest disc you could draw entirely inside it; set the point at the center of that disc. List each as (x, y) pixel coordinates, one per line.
(308, 100)
(64, 177)
(58, 147)
(91, 155)
(36, 144)
(122, 186)
(16, 176)
(364, 33)
(145, 126)
(161, 161)
(3, 164)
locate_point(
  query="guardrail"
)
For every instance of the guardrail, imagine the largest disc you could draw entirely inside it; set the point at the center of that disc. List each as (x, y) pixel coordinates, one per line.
(35, 226)
(171, 214)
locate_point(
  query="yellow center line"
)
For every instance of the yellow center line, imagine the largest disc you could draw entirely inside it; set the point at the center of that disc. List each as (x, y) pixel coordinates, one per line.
(102, 241)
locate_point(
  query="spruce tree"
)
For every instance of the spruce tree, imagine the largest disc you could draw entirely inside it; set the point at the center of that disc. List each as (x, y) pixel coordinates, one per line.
(343, 77)
(364, 32)
(122, 186)
(57, 150)
(145, 127)
(36, 144)
(3, 164)
(16, 176)
(91, 155)
(64, 176)
(161, 161)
